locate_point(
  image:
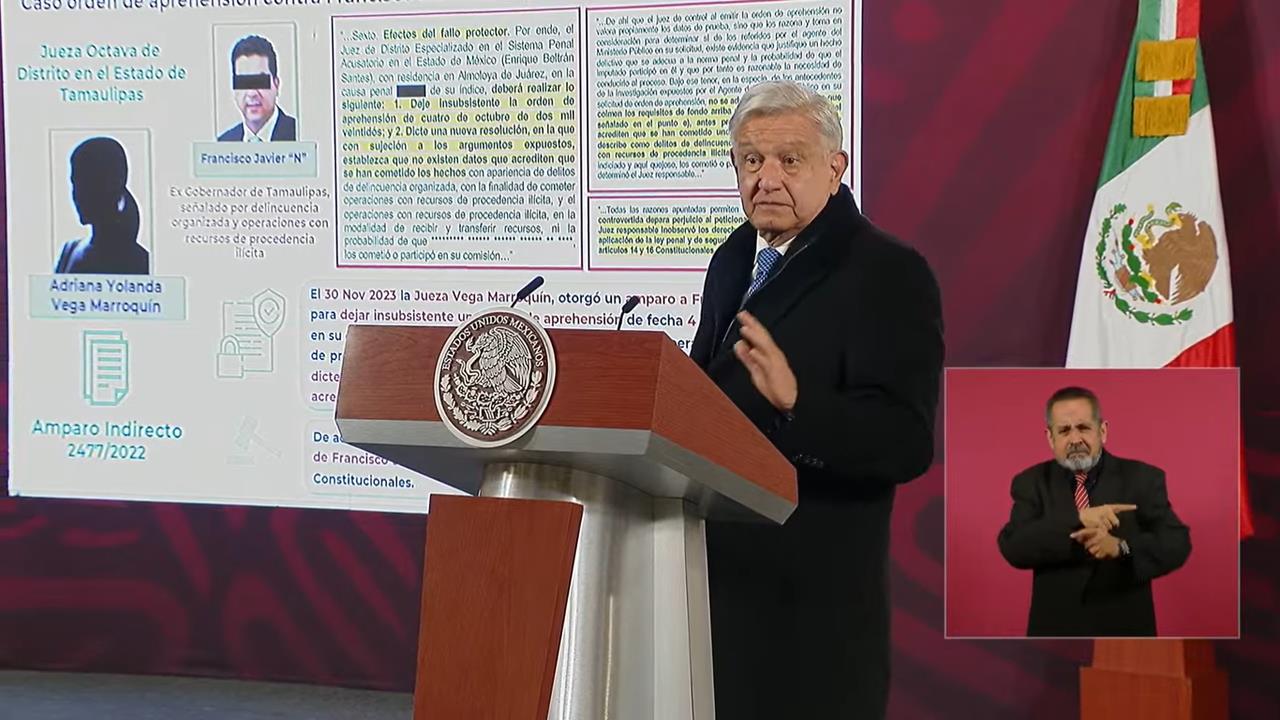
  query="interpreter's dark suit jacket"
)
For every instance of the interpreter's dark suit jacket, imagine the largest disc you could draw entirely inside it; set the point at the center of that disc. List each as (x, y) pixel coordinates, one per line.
(286, 129)
(1073, 594)
(800, 612)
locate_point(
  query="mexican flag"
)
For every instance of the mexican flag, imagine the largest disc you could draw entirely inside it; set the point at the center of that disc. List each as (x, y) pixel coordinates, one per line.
(1155, 286)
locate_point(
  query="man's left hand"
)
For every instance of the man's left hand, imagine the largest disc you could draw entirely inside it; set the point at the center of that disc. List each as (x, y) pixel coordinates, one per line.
(1100, 543)
(770, 371)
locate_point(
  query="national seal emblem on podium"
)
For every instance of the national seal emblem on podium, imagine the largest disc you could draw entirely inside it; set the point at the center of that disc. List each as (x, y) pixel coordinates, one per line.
(494, 377)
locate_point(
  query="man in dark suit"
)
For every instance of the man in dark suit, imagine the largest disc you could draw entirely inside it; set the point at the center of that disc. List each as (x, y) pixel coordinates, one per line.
(832, 346)
(255, 82)
(1096, 529)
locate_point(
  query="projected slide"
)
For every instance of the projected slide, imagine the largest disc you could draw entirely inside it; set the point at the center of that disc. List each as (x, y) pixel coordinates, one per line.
(204, 194)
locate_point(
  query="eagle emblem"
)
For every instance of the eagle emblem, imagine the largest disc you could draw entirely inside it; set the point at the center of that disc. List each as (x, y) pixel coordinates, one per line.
(499, 360)
(494, 377)
(1152, 266)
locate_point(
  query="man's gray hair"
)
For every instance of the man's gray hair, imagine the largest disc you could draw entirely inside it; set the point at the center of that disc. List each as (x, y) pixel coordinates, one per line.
(776, 97)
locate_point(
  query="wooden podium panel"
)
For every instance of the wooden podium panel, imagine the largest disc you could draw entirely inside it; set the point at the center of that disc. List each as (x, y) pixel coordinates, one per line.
(1153, 680)
(495, 586)
(597, 510)
(628, 405)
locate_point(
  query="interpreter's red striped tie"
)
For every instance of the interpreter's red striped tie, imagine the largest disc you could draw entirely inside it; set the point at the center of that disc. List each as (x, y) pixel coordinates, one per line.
(1082, 497)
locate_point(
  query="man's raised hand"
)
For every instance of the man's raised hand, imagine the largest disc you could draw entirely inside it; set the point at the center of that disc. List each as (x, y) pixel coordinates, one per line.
(1106, 517)
(1101, 544)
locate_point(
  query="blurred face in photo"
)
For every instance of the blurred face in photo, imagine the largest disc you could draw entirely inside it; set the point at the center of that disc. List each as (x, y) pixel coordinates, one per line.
(256, 103)
(786, 172)
(1076, 434)
(99, 171)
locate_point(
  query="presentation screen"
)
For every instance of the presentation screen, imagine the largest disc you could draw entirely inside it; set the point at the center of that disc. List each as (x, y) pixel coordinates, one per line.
(204, 194)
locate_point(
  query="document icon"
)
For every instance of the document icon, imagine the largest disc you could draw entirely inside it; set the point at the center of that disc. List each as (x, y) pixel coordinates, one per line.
(248, 334)
(106, 367)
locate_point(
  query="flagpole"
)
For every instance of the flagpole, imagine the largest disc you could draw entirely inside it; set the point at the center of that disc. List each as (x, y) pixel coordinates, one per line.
(1170, 679)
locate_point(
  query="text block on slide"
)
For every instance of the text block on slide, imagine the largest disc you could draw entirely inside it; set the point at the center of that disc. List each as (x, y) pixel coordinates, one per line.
(202, 197)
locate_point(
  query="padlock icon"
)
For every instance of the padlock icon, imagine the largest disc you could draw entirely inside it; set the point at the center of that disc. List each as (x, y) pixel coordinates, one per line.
(230, 360)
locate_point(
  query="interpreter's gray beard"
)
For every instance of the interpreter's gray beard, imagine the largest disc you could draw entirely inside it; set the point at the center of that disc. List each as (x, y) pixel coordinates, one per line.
(1080, 464)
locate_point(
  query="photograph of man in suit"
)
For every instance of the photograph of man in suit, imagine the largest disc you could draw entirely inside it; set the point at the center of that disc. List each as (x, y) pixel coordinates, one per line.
(255, 83)
(827, 333)
(1094, 528)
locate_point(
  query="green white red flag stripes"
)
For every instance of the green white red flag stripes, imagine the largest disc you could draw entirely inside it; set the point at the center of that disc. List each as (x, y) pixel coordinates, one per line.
(1154, 287)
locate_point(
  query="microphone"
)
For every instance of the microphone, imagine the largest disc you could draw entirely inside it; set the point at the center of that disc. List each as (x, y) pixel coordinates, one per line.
(527, 290)
(630, 305)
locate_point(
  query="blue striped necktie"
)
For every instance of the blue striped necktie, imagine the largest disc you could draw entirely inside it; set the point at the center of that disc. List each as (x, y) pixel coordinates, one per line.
(765, 260)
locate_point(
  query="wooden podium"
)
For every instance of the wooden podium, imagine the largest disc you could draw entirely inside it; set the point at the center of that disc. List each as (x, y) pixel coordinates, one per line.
(573, 586)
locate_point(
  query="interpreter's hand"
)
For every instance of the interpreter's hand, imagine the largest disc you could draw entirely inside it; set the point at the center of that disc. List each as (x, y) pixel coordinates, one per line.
(1100, 543)
(1106, 517)
(770, 372)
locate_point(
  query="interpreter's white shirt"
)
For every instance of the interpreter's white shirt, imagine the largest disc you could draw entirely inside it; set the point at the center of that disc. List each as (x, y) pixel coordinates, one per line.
(264, 134)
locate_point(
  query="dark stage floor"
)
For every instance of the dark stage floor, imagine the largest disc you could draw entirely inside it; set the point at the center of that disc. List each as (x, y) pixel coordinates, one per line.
(76, 696)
